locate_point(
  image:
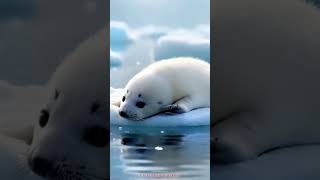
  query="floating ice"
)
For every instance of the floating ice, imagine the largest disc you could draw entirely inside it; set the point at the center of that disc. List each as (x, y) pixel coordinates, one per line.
(197, 117)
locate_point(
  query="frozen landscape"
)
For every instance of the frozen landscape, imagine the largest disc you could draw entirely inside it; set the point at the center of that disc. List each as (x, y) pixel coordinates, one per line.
(136, 42)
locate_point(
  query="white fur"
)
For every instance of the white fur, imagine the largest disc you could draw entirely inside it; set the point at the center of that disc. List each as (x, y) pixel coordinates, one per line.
(13, 160)
(267, 79)
(81, 80)
(178, 84)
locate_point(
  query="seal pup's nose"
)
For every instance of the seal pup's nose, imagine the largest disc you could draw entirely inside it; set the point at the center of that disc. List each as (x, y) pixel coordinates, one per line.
(40, 166)
(123, 114)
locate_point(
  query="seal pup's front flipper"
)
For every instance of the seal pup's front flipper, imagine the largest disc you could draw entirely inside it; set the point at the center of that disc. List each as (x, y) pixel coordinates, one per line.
(116, 103)
(183, 105)
(24, 134)
(235, 139)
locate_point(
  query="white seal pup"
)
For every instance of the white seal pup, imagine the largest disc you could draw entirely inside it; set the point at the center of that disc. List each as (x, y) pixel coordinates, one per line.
(266, 86)
(71, 136)
(176, 85)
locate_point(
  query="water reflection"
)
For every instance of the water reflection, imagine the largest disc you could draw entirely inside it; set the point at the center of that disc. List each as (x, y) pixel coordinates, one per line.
(170, 153)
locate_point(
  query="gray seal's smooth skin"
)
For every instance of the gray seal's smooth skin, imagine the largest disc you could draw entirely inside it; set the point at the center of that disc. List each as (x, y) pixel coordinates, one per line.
(71, 137)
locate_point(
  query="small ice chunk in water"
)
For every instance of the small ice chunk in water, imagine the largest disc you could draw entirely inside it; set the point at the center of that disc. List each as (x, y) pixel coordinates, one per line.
(158, 148)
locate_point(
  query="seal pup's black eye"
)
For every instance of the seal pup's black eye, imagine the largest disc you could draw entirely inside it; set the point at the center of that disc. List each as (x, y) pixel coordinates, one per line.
(95, 107)
(44, 118)
(139, 95)
(96, 136)
(56, 94)
(123, 98)
(140, 104)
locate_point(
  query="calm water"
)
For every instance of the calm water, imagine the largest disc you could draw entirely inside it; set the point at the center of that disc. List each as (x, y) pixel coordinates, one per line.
(160, 153)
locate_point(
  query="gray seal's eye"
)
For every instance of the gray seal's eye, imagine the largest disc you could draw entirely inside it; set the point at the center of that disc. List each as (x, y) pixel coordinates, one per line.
(44, 118)
(123, 98)
(140, 104)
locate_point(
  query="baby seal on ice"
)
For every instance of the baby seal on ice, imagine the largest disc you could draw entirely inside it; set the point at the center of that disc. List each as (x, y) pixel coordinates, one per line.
(176, 85)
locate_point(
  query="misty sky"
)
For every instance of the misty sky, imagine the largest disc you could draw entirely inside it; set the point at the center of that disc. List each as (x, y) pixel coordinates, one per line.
(176, 13)
(143, 31)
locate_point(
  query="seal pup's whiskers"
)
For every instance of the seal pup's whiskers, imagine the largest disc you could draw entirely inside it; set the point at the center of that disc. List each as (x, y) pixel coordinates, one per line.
(85, 171)
(67, 171)
(22, 162)
(91, 176)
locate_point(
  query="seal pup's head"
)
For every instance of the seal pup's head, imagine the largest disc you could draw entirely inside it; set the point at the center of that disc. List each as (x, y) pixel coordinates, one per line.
(145, 95)
(71, 135)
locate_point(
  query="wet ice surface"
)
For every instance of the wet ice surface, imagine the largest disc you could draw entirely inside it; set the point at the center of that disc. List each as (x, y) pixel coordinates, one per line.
(197, 117)
(138, 153)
